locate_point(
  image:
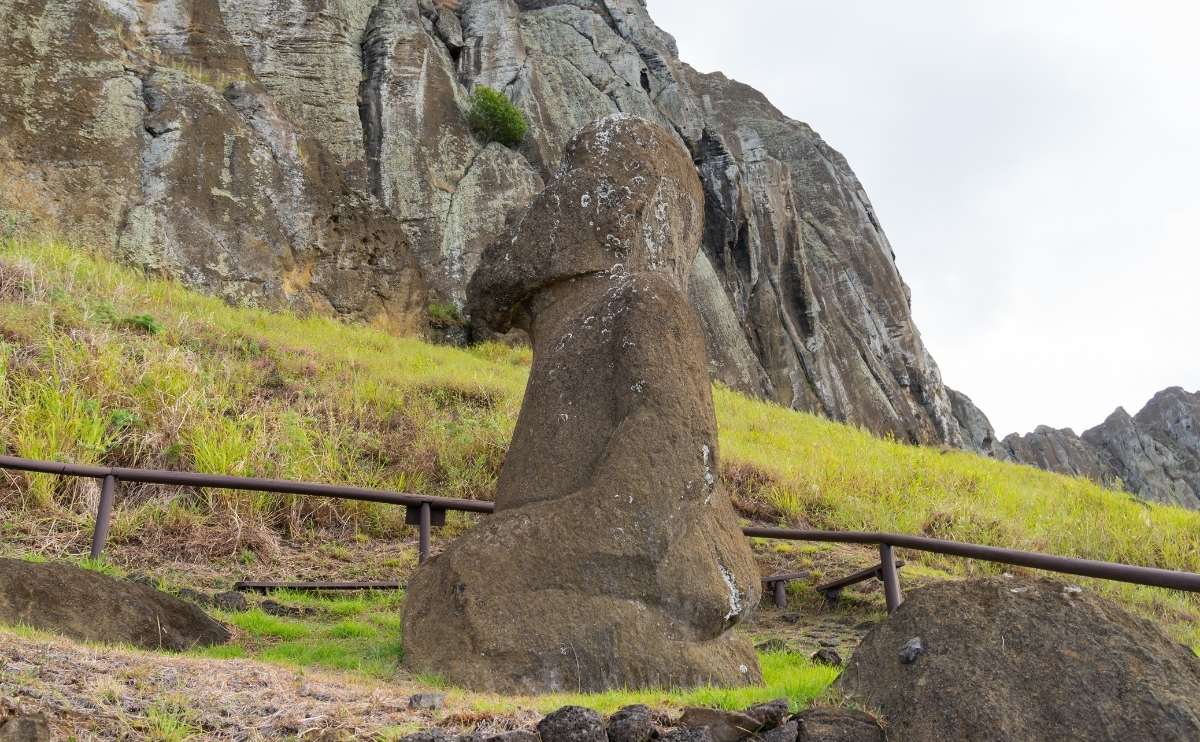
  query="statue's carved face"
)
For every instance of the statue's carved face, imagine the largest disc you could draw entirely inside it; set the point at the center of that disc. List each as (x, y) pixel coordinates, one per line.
(626, 200)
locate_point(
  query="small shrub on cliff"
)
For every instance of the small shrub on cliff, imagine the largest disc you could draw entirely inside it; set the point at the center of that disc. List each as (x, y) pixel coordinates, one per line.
(494, 118)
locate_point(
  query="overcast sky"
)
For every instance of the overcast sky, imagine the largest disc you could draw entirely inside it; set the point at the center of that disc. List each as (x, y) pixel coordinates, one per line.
(1036, 166)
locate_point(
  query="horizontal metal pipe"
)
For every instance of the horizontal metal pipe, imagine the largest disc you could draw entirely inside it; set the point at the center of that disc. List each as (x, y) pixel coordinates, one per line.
(224, 481)
(1151, 576)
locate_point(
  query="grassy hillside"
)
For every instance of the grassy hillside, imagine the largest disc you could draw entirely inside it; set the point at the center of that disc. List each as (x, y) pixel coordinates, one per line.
(99, 364)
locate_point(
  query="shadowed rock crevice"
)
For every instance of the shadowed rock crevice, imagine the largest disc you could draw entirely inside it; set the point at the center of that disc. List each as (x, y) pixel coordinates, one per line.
(613, 559)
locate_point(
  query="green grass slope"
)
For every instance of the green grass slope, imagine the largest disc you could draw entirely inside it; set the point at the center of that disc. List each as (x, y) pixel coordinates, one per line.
(100, 364)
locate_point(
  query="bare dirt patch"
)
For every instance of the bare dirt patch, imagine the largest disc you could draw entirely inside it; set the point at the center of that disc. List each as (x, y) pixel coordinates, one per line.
(109, 693)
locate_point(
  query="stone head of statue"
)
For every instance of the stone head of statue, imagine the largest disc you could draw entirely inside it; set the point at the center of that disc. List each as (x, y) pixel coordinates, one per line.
(626, 200)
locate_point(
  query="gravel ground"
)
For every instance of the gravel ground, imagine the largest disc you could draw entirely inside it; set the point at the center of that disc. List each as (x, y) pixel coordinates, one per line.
(106, 693)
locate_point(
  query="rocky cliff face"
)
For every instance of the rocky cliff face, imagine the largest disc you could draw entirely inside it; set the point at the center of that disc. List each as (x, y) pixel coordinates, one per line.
(1154, 454)
(315, 154)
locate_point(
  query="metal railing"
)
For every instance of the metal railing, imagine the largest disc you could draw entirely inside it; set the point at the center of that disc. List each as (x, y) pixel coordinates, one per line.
(427, 512)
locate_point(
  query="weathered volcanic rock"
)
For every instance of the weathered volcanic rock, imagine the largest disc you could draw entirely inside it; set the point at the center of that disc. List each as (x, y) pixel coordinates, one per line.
(614, 559)
(87, 605)
(1055, 450)
(1009, 659)
(632, 724)
(1154, 454)
(316, 155)
(977, 432)
(838, 725)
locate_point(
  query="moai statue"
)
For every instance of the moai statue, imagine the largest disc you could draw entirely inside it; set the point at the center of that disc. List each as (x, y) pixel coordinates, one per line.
(614, 559)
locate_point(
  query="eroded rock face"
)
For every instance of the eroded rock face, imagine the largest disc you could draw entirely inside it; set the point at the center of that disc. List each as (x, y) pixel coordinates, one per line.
(977, 432)
(315, 154)
(614, 559)
(1058, 450)
(1019, 659)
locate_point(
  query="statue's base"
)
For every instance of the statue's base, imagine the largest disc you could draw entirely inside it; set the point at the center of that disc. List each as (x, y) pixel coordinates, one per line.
(504, 610)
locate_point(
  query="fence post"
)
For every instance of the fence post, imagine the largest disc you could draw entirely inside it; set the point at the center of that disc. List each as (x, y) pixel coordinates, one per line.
(425, 524)
(890, 577)
(103, 515)
(780, 589)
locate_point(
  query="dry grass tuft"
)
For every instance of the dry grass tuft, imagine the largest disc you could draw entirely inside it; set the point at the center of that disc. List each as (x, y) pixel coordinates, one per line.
(16, 280)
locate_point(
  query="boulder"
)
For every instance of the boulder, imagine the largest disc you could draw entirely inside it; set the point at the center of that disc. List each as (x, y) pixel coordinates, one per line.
(632, 724)
(614, 558)
(840, 725)
(572, 724)
(91, 606)
(231, 600)
(722, 726)
(1023, 659)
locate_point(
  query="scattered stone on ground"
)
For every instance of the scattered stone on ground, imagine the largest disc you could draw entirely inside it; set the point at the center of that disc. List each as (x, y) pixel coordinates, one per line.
(1024, 659)
(616, 428)
(774, 644)
(722, 726)
(90, 606)
(912, 649)
(276, 608)
(194, 596)
(30, 728)
(427, 701)
(845, 725)
(632, 724)
(231, 601)
(827, 656)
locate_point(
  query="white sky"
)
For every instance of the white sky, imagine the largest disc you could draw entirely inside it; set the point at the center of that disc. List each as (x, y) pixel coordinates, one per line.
(1036, 165)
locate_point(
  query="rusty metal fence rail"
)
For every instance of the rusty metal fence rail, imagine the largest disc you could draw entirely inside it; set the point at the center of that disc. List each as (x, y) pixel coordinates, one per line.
(427, 512)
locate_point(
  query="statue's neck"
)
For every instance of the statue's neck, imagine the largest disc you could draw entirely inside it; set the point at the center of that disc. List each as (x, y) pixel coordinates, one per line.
(561, 298)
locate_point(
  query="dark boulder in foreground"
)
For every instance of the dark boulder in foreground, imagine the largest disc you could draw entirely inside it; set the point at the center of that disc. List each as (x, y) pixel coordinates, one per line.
(1024, 659)
(91, 606)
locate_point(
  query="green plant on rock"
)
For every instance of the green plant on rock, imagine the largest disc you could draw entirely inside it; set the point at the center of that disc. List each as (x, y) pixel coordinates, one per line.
(444, 314)
(494, 118)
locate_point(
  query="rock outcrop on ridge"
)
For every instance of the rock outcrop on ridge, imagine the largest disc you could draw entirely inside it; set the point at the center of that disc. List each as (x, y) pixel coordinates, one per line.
(1023, 659)
(316, 154)
(615, 560)
(1154, 454)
